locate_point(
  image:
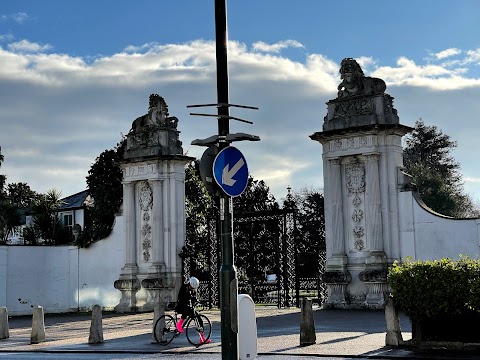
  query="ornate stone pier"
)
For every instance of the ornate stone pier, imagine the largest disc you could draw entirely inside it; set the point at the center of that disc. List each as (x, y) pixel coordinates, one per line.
(153, 209)
(362, 157)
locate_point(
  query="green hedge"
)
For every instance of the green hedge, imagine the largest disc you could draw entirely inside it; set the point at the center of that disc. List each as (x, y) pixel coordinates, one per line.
(431, 289)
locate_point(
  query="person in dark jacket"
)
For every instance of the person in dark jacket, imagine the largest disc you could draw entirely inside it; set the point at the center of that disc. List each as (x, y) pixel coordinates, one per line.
(187, 297)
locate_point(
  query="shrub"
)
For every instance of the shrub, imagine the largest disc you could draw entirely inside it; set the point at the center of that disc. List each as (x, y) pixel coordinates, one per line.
(432, 289)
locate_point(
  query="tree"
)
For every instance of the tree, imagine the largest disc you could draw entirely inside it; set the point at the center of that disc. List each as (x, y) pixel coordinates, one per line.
(427, 158)
(310, 213)
(309, 205)
(9, 212)
(45, 223)
(256, 242)
(21, 194)
(104, 183)
(3, 178)
(199, 210)
(9, 219)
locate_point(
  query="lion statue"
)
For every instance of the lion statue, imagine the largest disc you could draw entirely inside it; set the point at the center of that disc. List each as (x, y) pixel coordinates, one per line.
(157, 115)
(354, 82)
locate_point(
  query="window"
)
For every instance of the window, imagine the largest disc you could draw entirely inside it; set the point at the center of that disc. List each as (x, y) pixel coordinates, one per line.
(68, 220)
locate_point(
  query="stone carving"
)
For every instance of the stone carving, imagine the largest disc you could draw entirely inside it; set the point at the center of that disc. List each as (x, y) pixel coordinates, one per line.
(146, 199)
(373, 275)
(155, 133)
(355, 173)
(356, 83)
(146, 202)
(157, 115)
(331, 277)
(361, 100)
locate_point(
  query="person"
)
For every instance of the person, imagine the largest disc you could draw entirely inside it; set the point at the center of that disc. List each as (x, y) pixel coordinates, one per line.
(187, 297)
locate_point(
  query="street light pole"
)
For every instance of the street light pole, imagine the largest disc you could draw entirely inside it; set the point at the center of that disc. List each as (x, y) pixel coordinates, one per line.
(227, 272)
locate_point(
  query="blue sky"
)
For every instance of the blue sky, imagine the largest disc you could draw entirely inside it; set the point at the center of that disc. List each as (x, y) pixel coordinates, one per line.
(74, 75)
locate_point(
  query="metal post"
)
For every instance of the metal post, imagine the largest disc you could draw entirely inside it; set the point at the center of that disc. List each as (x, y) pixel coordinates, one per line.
(227, 273)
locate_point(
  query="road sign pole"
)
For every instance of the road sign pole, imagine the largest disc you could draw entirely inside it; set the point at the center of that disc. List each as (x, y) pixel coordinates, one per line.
(227, 272)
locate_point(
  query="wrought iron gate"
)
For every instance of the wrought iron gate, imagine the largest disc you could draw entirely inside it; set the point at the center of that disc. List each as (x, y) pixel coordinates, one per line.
(269, 266)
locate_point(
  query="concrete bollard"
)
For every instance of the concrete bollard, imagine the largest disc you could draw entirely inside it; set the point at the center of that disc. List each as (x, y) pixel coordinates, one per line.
(307, 324)
(38, 326)
(4, 334)
(158, 311)
(394, 333)
(96, 329)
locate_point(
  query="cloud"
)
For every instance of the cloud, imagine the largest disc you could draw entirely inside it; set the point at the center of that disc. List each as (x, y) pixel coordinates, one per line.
(25, 46)
(6, 37)
(261, 46)
(436, 77)
(19, 17)
(447, 53)
(473, 56)
(59, 112)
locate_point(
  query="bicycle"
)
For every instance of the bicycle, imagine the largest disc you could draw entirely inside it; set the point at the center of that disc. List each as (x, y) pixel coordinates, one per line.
(165, 329)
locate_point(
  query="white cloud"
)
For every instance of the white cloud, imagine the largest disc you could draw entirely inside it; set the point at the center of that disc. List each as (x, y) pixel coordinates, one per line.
(6, 37)
(447, 53)
(19, 17)
(436, 77)
(59, 112)
(261, 46)
(473, 56)
(25, 46)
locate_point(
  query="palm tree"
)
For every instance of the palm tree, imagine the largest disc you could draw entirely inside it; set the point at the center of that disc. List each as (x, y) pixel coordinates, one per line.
(46, 224)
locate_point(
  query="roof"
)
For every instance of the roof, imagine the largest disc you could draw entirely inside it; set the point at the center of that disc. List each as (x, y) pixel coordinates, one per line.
(75, 201)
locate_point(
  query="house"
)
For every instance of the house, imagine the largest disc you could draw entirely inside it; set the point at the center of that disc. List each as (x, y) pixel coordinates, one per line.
(72, 211)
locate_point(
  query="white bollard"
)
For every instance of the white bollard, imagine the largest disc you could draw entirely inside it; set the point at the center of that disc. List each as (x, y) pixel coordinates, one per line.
(96, 329)
(4, 334)
(38, 326)
(247, 328)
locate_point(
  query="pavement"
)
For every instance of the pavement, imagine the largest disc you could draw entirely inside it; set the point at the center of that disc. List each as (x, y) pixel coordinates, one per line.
(339, 333)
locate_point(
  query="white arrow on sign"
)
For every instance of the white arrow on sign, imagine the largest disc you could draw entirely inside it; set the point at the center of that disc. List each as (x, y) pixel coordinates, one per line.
(227, 175)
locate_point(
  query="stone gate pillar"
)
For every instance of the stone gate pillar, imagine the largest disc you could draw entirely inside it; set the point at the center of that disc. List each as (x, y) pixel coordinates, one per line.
(153, 210)
(362, 155)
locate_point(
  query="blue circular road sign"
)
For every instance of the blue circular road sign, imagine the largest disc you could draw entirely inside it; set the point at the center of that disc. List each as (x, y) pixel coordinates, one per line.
(230, 171)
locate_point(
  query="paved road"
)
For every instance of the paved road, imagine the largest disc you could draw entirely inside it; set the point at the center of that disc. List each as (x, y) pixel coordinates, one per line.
(340, 334)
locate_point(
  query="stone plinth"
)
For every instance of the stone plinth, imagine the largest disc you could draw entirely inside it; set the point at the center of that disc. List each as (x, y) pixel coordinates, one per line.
(362, 156)
(153, 206)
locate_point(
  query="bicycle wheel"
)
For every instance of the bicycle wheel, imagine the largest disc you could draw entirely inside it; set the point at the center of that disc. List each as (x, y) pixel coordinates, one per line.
(193, 331)
(165, 329)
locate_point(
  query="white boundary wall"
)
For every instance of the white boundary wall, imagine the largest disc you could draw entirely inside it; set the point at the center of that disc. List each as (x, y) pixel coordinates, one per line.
(426, 235)
(62, 278)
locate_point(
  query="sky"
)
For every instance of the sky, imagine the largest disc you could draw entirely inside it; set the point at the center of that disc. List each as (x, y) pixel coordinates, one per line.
(74, 75)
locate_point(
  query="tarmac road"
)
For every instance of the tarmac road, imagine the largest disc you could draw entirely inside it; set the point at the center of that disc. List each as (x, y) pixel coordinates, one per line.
(340, 334)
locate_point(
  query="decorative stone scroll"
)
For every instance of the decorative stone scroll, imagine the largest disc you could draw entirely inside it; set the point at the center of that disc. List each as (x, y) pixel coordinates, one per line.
(355, 178)
(146, 201)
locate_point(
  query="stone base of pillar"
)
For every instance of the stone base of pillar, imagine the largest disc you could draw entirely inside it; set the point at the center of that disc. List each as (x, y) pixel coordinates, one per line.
(160, 290)
(376, 282)
(337, 296)
(376, 295)
(129, 287)
(337, 282)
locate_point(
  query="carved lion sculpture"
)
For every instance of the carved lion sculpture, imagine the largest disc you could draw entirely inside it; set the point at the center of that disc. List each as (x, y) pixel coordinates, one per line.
(157, 115)
(354, 82)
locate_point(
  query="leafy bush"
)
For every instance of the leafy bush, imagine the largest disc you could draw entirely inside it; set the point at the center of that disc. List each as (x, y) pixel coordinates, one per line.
(431, 289)
(104, 182)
